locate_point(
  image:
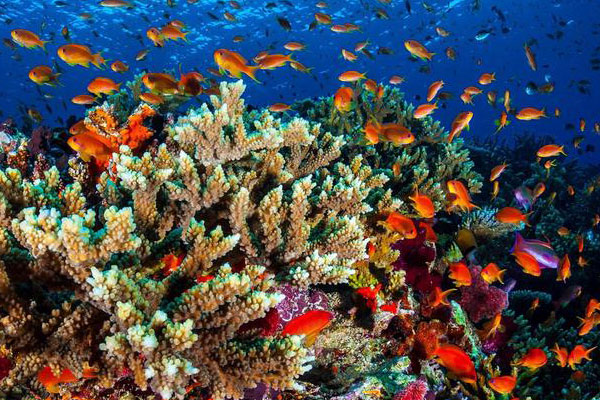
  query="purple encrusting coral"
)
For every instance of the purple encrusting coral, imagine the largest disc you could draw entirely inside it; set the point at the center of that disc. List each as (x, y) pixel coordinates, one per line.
(481, 300)
(297, 301)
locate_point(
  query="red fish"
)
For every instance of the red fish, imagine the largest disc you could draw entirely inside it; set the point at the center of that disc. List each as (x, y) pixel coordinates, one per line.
(457, 362)
(503, 384)
(535, 358)
(459, 272)
(309, 324)
(370, 295)
(51, 382)
(578, 354)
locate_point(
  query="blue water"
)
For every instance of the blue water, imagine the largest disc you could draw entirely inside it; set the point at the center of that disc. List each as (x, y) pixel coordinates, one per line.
(120, 34)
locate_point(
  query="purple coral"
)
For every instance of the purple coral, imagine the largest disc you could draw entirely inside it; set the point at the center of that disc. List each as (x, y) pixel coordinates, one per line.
(416, 390)
(481, 300)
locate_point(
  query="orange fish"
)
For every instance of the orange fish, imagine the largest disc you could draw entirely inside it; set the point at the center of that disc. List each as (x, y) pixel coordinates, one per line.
(370, 295)
(491, 98)
(564, 269)
(351, 76)
(349, 56)
(587, 324)
(189, 84)
(272, 61)
(451, 53)
(430, 235)
(550, 150)
(418, 50)
(119, 66)
(561, 354)
(43, 75)
(534, 358)
(171, 32)
(592, 306)
(466, 98)
(456, 361)
(496, 171)
(441, 31)
(460, 274)
(579, 243)
(495, 189)
(322, 18)
(486, 78)
(534, 305)
(530, 113)
(424, 110)
(581, 124)
(530, 57)
(51, 382)
(234, 64)
(396, 80)
(538, 190)
(78, 54)
(492, 273)
(503, 384)
(294, 46)
(459, 196)
(440, 298)
(402, 225)
(28, 39)
(279, 107)
(397, 134)
(502, 122)
(343, 99)
(528, 262)
(460, 122)
(102, 85)
(423, 205)
(83, 99)
(159, 83)
(433, 89)
(309, 324)
(492, 326)
(506, 100)
(582, 262)
(152, 98)
(171, 262)
(578, 354)
(372, 131)
(473, 90)
(90, 145)
(511, 215)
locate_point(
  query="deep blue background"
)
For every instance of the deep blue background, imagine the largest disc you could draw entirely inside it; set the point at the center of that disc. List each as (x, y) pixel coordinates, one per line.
(120, 34)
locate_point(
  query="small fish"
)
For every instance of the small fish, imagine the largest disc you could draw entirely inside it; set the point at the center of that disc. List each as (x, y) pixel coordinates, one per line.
(27, 39)
(416, 49)
(528, 262)
(102, 85)
(83, 99)
(152, 98)
(351, 76)
(492, 273)
(402, 225)
(487, 78)
(170, 263)
(561, 354)
(279, 107)
(534, 358)
(433, 90)
(497, 171)
(43, 75)
(309, 324)
(343, 99)
(592, 306)
(511, 215)
(439, 298)
(456, 361)
(530, 113)
(461, 122)
(578, 354)
(550, 150)
(564, 269)
(503, 384)
(530, 57)
(459, 196)
(424, 110)
(460, 274)
(284, 23)
(423, 205)
(370, 295)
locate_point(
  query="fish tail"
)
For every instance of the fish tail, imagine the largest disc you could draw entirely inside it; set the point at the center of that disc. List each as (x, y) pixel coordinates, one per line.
(251, 71)
(98, 60)
(184, 37)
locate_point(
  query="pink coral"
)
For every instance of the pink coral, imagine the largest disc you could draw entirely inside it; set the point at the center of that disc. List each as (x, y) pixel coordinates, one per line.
(481, 300)
(416, 390)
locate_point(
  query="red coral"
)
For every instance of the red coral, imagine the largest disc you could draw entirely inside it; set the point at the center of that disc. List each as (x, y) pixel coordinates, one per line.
(416, 390)
(415, 257)
(5, 367)
(480, 300)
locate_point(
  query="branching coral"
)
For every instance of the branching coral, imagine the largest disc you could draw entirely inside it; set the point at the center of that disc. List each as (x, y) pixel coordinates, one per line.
(251, 205)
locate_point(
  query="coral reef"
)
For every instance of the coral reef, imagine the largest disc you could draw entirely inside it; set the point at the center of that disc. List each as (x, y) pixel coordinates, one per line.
(174, 269)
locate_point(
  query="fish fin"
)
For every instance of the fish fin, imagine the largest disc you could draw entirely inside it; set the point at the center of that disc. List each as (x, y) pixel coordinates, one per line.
(251, 71)
(311, 338)
(84, 156)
